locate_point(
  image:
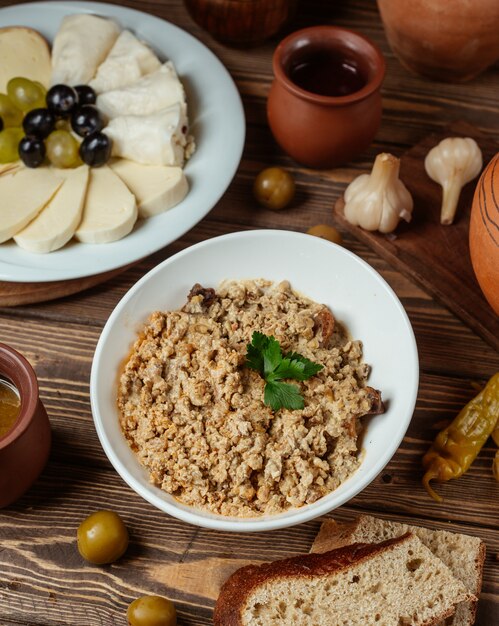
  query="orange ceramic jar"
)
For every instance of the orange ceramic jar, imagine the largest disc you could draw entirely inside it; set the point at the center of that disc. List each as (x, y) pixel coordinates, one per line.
(449, 40)
(24, 448)
(484, 232)
(317, 129)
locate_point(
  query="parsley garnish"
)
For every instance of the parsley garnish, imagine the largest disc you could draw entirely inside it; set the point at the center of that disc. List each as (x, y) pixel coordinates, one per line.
(265, 356)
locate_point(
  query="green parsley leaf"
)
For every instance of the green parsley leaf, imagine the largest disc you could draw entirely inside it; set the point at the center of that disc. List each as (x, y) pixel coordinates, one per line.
(279, 395)
(255, 351)
(309, 367)
(264, 355)
(272, 356)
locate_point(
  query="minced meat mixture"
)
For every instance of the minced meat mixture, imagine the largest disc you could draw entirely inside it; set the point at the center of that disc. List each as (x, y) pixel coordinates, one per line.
(195, 416)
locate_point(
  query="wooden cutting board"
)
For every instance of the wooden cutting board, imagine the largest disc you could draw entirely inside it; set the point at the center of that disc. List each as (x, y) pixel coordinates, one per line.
(15, 294)
(435, 256)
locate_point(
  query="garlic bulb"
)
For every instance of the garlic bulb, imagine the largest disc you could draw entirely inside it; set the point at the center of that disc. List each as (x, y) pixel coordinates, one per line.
(453, 163)
(378, 200)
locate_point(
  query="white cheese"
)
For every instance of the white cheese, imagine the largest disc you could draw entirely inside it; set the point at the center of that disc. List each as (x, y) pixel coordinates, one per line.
(155, 139)
(23, 52)
(156, 188)
(110, 210)
(81, 44)
(57, 222)
(23, 194)
(149, 94)
(9, 167)
(128, 60)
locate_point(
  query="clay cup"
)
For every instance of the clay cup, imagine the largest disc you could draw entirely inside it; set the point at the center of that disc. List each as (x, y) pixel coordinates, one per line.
(322, 131)
(25, 448)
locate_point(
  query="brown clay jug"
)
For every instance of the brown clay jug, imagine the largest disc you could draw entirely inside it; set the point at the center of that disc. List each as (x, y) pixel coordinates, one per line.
(448, 40)
(316, 128)
(484, 232)
(24, 449)
(241, 23)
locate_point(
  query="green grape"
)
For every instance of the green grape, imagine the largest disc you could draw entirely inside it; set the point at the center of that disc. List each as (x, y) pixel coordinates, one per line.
(25, 94)
(9, 144)
(62, 149)
(42, 88)
(9, 113)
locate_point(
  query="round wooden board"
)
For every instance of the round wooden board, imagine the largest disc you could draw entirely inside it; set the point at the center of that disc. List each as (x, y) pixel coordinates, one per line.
(14, 294)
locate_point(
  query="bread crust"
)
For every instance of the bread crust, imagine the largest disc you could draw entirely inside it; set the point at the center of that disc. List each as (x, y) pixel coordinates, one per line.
(239, 586)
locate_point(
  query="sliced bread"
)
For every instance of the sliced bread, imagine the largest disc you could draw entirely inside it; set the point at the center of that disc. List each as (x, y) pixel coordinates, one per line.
(398, 582)
(464, 555)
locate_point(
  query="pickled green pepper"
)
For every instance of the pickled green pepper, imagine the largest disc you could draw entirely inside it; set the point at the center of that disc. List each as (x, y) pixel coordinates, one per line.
(456, 447)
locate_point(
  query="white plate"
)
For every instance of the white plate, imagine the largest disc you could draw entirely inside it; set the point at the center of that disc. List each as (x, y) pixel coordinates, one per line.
(325, 272)
(218, 125)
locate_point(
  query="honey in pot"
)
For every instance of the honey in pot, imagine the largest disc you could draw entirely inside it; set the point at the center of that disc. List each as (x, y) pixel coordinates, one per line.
(328, 73)
(10, 406)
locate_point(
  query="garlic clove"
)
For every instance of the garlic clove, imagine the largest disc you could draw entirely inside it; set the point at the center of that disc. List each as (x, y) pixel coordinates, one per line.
(378, 200)
(453, 163)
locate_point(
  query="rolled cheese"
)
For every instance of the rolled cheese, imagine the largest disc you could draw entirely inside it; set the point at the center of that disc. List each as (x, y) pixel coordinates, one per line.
(155, 139)
(110, 210)
(128, 60)
(23, 194)
(81, 44)
(56, 223)
(149, 94)
(156, 188)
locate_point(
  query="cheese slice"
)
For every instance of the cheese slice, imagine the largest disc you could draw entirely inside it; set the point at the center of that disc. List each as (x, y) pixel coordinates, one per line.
(23, 194)
(23, 52)
(128, 60)
(151, 93)
(57, 222)
(81, 44)
(9, 167)
(156, 188)
(156, 139)
(110, 209)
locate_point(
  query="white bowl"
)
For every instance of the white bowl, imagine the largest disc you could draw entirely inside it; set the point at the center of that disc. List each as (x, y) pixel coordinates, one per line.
(325, 272)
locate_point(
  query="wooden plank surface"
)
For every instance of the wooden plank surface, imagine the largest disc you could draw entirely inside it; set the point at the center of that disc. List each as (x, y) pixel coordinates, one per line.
(43, 581)
(14, 294)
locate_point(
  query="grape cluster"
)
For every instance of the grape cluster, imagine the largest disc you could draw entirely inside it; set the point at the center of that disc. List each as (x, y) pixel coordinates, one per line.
(36, 123)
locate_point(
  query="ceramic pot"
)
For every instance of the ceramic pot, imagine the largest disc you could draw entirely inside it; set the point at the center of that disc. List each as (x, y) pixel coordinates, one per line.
(322, 131)
(448, 40)
(25, 448)
(484, 233)
(241, 22)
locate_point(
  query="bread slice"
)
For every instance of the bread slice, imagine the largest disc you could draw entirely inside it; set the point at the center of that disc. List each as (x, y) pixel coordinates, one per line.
(464, 555)
(398, 582)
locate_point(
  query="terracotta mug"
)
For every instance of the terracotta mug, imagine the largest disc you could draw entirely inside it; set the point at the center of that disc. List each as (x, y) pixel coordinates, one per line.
(25, 448)
(323, 131)
(448, 40)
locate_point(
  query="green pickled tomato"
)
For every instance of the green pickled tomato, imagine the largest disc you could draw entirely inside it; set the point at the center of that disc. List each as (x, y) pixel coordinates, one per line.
(274, 188)
(62, 149)
(151, 611)
(102, 537)
(10, 114)
(25, 94)
(326, 232)
(9, 144)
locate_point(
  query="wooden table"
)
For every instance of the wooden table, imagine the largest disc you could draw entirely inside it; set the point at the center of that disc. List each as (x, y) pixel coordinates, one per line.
(43, 580)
